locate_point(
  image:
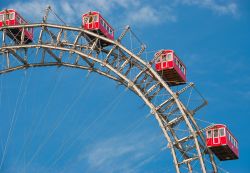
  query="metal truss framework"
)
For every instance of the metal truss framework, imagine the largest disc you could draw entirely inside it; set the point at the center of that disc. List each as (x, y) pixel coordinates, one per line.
(124, 66)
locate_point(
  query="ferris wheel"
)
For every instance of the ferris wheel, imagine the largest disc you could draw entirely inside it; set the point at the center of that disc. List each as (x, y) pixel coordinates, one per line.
(93, 47)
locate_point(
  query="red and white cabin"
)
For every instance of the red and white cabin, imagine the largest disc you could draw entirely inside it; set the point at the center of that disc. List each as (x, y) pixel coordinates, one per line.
(10, 17)
(170, 67)
(222, 143)
(93, 21)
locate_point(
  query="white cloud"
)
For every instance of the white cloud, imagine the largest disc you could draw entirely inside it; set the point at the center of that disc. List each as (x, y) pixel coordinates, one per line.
(218, 6)
(150, 15)
(33, 10)
(119, 12)
(120, 153)
(122, 11)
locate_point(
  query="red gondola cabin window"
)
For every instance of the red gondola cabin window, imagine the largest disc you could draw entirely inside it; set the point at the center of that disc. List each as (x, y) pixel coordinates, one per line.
(222, 143)
(10, 17)
(93, 21)
(170, 67)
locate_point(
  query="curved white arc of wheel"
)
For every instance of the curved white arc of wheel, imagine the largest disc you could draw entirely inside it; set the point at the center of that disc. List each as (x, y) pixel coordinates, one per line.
(129, 83)
(134, 87)
(180, 106)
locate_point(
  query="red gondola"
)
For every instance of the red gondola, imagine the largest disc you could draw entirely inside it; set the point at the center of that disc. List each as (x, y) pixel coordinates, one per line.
(170, 67)
(11, 18)
(222, 143)
(93, 21)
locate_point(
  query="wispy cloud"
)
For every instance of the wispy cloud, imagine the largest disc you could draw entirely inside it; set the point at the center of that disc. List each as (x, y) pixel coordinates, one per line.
(122, 11)
(219, 6)
(120, 154)
(31, 9)
(150, 15)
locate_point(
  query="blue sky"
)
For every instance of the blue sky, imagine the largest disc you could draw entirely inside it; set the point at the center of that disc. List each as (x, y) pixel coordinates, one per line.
(67, 122)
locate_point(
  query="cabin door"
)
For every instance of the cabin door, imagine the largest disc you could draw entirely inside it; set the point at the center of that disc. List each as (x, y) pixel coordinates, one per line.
(164, 61)
(216, 137)
(91, 22)
(6, 19)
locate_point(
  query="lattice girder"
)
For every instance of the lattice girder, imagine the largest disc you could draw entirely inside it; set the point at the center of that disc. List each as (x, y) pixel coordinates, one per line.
(59, 45)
